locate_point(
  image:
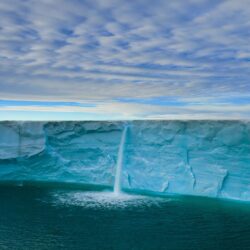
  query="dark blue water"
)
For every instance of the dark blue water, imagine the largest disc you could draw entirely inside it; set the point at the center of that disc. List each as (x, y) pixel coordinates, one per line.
(53, 218)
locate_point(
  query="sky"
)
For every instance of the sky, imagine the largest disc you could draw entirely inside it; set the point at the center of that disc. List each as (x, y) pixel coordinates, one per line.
(121, 59)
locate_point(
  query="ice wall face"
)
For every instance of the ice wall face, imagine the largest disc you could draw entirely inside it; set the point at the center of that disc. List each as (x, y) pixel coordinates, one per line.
(80, 152)
(201, 158)
(210, 158)
(21, 139)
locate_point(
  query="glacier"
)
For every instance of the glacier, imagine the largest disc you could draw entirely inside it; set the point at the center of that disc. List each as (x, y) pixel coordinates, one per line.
(204, 158)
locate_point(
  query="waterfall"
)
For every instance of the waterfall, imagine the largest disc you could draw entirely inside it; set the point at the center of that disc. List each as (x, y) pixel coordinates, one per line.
(118, 174)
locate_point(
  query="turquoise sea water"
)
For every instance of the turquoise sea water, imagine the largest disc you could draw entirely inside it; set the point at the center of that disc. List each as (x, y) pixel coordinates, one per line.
(42, 217)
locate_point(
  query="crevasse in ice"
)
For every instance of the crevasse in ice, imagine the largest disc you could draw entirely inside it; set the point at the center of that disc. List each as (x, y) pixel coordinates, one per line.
(208, 158)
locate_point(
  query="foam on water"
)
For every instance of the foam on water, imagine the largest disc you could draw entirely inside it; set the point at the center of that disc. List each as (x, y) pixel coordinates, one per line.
(104, 200)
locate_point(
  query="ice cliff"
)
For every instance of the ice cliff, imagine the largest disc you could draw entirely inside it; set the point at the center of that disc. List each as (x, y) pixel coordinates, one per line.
(208, 158)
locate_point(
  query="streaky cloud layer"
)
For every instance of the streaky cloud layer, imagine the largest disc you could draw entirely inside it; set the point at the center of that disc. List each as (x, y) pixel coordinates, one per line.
(117, 59)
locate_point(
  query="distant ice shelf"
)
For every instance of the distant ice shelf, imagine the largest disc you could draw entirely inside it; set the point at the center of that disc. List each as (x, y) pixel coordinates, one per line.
(207, 158)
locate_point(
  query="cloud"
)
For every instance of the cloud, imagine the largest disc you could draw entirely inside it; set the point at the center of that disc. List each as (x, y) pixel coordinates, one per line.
(132, 110)
(101, 51)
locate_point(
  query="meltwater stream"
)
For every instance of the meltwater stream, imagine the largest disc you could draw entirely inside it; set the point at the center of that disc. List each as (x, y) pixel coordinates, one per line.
(107, 199)
(117, 185)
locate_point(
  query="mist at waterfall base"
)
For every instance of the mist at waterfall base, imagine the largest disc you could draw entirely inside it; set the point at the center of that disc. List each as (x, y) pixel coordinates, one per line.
(54, 194)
